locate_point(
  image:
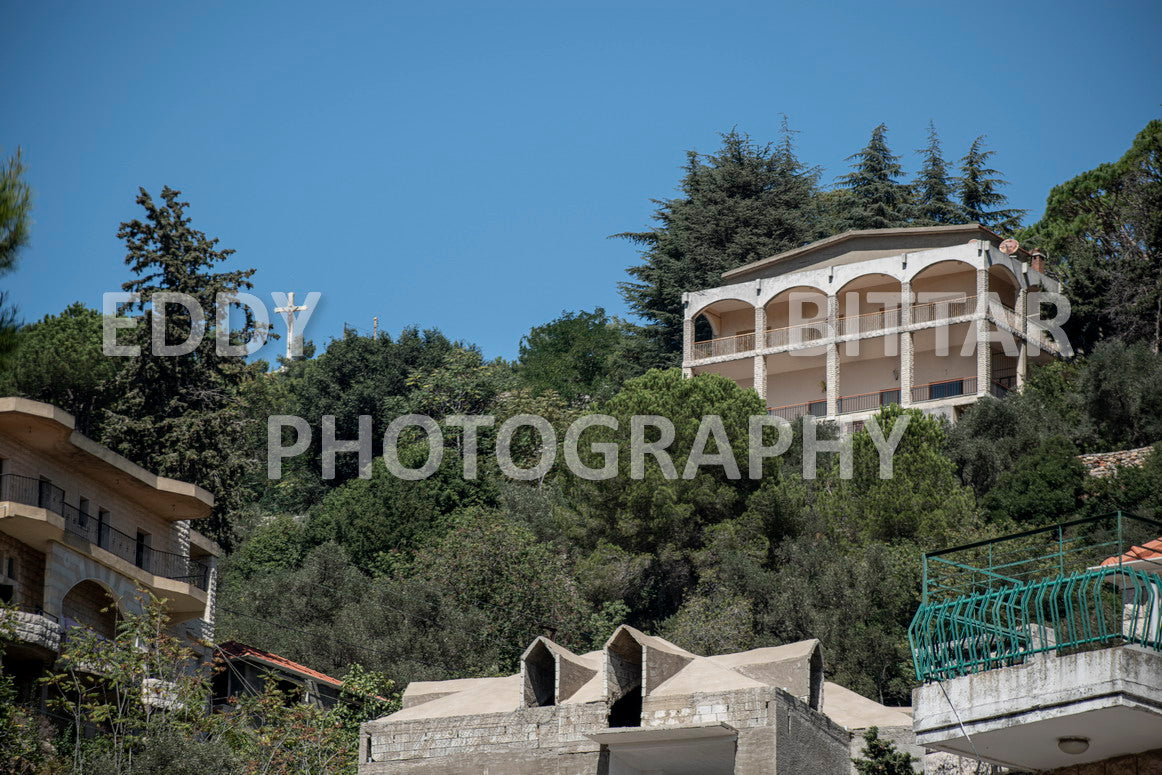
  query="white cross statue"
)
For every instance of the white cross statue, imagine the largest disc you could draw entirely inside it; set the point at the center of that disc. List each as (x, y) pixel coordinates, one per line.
(288, 312)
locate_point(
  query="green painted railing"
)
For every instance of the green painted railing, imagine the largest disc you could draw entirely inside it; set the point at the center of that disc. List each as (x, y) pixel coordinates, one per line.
(1080, 585)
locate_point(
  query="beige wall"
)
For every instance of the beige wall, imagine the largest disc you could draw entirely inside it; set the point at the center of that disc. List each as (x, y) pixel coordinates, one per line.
(796, 387)
(868, 375)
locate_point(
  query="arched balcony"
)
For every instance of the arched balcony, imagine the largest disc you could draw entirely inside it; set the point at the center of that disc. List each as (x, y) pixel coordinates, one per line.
(869, 303)
(796, 315)
(724, 327)
(944, 291)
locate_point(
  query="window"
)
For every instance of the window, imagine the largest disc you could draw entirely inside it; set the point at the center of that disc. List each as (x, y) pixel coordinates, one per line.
(102, 528)
(83, 517)
(142, 555)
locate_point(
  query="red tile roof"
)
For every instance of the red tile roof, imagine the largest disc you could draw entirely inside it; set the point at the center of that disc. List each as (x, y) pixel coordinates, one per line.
(235, 649)
(1151, 550)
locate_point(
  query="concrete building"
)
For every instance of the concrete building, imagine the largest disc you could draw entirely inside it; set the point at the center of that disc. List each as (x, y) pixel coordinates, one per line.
(1036, 654)
(863, 319)
(81, 528)
(639, 705)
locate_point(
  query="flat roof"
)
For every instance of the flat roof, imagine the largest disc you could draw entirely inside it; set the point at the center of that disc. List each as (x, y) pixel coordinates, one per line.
(907, 231)
(52, 431)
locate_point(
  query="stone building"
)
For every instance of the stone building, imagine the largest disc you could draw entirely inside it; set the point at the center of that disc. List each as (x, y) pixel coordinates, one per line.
(639, 705)
(81, 528)
(863, 319)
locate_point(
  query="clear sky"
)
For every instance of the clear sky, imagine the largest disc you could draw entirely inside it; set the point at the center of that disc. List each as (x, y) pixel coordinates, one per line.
(461, 166)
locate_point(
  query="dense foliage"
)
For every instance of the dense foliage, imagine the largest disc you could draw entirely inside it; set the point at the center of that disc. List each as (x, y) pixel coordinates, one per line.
(452, 576)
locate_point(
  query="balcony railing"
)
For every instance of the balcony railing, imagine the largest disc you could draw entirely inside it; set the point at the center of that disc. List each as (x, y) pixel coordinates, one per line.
(945, 388)
(866, 323)
(800, 333)
(943, 309)
(1071, 587)
(795, 411)
(95, 530)
(862, 402)
(870, 322)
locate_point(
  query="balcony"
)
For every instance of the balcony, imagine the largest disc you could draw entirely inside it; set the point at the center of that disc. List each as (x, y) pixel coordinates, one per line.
(1039, 636)
(97, 531)
(869, 323)
(31, 626)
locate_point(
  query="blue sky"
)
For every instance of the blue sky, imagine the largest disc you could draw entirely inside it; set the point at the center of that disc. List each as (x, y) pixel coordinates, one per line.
(461, 166)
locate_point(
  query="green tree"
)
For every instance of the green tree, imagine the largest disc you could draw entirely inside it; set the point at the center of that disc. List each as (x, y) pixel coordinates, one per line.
(979, 190)
(875, 197)
(179, 415)
(641, 534)
(1103, 230)
(744, 202)
(880, 757)
(576, 355)
(15, 207)
(59, 360)
(1043, 487)
(934, 188)
(356, 375)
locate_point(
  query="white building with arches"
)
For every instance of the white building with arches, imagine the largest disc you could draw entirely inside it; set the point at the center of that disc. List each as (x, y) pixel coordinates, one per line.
(81, 530)
(930, 317)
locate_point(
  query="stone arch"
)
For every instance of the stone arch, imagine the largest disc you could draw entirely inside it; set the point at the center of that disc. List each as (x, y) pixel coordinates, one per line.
(91, 604)
(1005, 283)
(863, 306)
(724, 315)
(796, 314)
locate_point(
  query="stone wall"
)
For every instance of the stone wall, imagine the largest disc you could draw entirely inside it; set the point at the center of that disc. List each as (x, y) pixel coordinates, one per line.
(539, 734)
(29, 592)
(777, 733)
(1101, 464)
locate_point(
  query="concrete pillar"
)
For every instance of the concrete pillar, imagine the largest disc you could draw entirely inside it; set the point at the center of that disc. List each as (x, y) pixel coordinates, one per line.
(1023, 337)
(687, 341)
(832, 357)
(907, 368)
(984, 352)
(760, 328)
(907, 351)
(760, 377)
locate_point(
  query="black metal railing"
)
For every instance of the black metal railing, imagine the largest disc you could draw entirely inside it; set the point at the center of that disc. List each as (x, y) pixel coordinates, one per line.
(96, 529)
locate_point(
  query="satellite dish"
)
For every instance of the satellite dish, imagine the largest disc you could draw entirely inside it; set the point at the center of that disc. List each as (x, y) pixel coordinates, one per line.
(1010, 246)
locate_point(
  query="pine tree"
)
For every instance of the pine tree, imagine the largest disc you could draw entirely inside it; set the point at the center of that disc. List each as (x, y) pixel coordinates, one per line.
(979, 192)
(744, 202)
(15, 205)
(180, 415)
(934, 188)
(880, 757)
(874, 197)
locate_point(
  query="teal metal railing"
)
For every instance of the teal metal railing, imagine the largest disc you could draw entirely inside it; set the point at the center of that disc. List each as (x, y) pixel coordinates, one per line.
(1079, 585)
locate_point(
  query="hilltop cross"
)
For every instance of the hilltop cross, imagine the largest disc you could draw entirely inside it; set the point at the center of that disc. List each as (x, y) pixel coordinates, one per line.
(288, 312)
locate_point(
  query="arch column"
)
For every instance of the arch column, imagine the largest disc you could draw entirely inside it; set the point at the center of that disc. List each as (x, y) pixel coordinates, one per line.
(687, 346)
(907, 350)
(1023, 338)
(760, 361)
(984, 350)
(832, 356)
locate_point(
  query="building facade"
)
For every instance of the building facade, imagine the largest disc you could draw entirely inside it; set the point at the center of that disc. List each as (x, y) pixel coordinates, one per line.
(639, 705)
(81, 530)
(931, 317)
